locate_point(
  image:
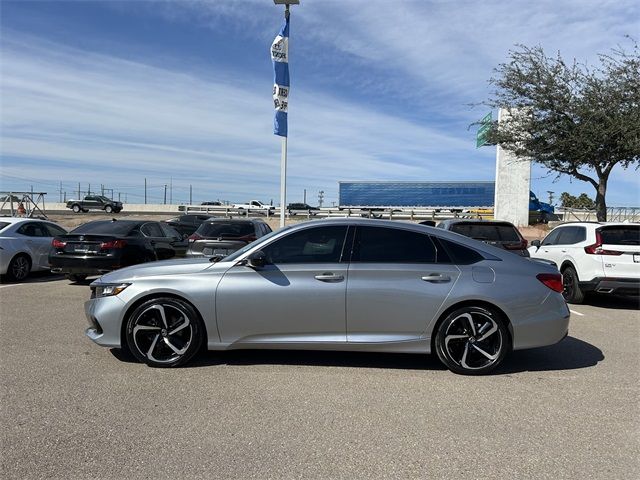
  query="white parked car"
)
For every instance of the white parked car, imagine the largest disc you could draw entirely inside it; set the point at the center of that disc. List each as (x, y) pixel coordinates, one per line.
(594, 257)
(25, 245)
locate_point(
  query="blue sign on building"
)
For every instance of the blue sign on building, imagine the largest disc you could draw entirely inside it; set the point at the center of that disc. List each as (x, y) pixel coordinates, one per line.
(417, 194)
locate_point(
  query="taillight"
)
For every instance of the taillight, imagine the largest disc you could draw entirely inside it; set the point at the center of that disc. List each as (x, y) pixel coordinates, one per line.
(194, 237)
(596, 248)
(58, 243)
(551, 280)
(517, 246)
(112, 244)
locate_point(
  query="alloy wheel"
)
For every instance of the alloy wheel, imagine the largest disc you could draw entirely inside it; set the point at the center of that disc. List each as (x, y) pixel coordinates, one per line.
(473, 340)
(162, 332)
(20, 267)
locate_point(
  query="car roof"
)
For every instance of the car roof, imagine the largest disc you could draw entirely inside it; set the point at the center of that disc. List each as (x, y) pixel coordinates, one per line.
(23, 219)
(455, 221)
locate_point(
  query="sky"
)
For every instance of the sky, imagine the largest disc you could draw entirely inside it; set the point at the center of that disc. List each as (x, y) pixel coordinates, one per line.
(110, 93)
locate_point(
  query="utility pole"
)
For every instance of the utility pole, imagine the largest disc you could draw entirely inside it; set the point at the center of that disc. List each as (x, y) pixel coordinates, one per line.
(304, 197)
(170, 190)
(550, 196)
(60, 192)
(79, 191)
(320, 198)
(190, 194)
(165, 193)
(145, 191)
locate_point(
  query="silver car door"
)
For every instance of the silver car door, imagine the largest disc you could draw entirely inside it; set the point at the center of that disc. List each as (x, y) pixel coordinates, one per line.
(297, 297)
(395, 287)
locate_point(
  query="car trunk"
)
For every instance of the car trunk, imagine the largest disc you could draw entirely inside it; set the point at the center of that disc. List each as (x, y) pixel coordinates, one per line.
(620, 250)
(214, 246)
(87, 244)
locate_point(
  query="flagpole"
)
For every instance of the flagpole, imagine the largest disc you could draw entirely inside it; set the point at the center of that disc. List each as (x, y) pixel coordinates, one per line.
(283, 180)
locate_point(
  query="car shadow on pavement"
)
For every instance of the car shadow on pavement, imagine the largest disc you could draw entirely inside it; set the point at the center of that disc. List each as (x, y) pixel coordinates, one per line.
(611, 301)
(569, 354)
(34, 277)
(319, 358)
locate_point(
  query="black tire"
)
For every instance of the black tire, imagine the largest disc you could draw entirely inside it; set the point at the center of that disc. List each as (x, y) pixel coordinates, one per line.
(19, 267)
(76, 277)
(164, 332)
(571, 292)
(108, 209)
(85, 210)
(76, 208)
(472, 341)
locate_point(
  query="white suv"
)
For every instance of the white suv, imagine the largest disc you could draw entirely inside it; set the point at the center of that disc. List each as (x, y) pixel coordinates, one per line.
(600, 257)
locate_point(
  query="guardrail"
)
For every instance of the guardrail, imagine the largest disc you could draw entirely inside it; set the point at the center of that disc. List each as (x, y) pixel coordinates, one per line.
(385, 213)
(614, 214)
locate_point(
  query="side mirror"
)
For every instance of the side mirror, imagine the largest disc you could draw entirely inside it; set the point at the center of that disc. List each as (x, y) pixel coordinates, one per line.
(257, 259)
(535, 243)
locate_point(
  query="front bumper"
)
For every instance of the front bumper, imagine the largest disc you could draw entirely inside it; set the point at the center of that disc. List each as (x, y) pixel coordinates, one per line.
(105, 320)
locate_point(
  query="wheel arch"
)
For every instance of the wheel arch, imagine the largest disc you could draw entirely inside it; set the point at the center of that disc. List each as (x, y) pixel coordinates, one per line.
(151, 296)
(472, 303)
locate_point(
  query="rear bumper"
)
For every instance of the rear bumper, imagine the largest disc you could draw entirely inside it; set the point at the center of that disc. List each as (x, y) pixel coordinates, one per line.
(617, 286)
(84, 265)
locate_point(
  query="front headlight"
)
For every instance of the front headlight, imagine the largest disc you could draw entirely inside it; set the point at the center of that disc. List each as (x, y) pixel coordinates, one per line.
(107, 289)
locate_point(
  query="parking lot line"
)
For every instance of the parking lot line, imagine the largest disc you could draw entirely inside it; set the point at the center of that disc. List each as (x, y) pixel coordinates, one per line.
(577, 313)
(12, 285)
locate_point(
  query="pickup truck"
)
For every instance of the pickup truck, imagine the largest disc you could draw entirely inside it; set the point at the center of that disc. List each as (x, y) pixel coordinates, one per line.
(94, 202)
(254, 206)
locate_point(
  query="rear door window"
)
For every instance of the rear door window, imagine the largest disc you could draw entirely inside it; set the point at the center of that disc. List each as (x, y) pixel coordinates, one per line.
(33, 229)
(392, 245)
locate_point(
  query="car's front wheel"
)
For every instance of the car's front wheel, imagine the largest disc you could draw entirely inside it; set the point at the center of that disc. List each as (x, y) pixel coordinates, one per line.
(164, 332)
(472, 341)
(76, 208)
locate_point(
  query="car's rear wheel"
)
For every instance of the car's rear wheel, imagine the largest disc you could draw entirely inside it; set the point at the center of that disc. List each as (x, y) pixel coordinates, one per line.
(571, 291)
(19, 267)
(472, 341)
(164, 332)
(108, 209)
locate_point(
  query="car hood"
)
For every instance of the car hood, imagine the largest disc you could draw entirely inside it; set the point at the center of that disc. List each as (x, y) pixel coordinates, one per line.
(155, 269)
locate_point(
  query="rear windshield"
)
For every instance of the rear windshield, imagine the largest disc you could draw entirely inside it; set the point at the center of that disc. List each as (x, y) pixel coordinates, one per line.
(621, 235)
(487, 232)
(3, 224)
(114, 228)
(225, 229)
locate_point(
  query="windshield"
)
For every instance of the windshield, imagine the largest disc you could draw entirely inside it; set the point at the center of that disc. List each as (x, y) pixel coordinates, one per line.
(238, 253)
(621, 235)
(225, 229)
(110, 227)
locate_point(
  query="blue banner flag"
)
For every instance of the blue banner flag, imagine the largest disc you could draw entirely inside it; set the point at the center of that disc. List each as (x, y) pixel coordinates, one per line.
(280, 58)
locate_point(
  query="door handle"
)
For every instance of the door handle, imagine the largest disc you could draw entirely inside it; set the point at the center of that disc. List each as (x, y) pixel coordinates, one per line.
(563, 251)
(329, 277)
(436, 277)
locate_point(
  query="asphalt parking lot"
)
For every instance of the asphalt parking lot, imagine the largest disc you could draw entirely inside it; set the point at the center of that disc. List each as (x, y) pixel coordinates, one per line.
(71, 409)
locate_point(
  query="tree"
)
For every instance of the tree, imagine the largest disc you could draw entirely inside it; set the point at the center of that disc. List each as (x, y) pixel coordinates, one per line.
(571, 118)
(583, 201)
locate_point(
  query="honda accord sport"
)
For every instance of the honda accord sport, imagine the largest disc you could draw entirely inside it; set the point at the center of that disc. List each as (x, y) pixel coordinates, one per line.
(344, 284)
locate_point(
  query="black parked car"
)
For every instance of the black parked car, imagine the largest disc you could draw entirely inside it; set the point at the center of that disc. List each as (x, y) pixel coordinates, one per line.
(187, 224)
(220, 237)
(104, 245)
(302, 208)
(494, 232)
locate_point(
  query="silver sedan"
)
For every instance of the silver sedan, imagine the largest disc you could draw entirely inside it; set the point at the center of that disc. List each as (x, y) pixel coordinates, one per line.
(345, 284)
